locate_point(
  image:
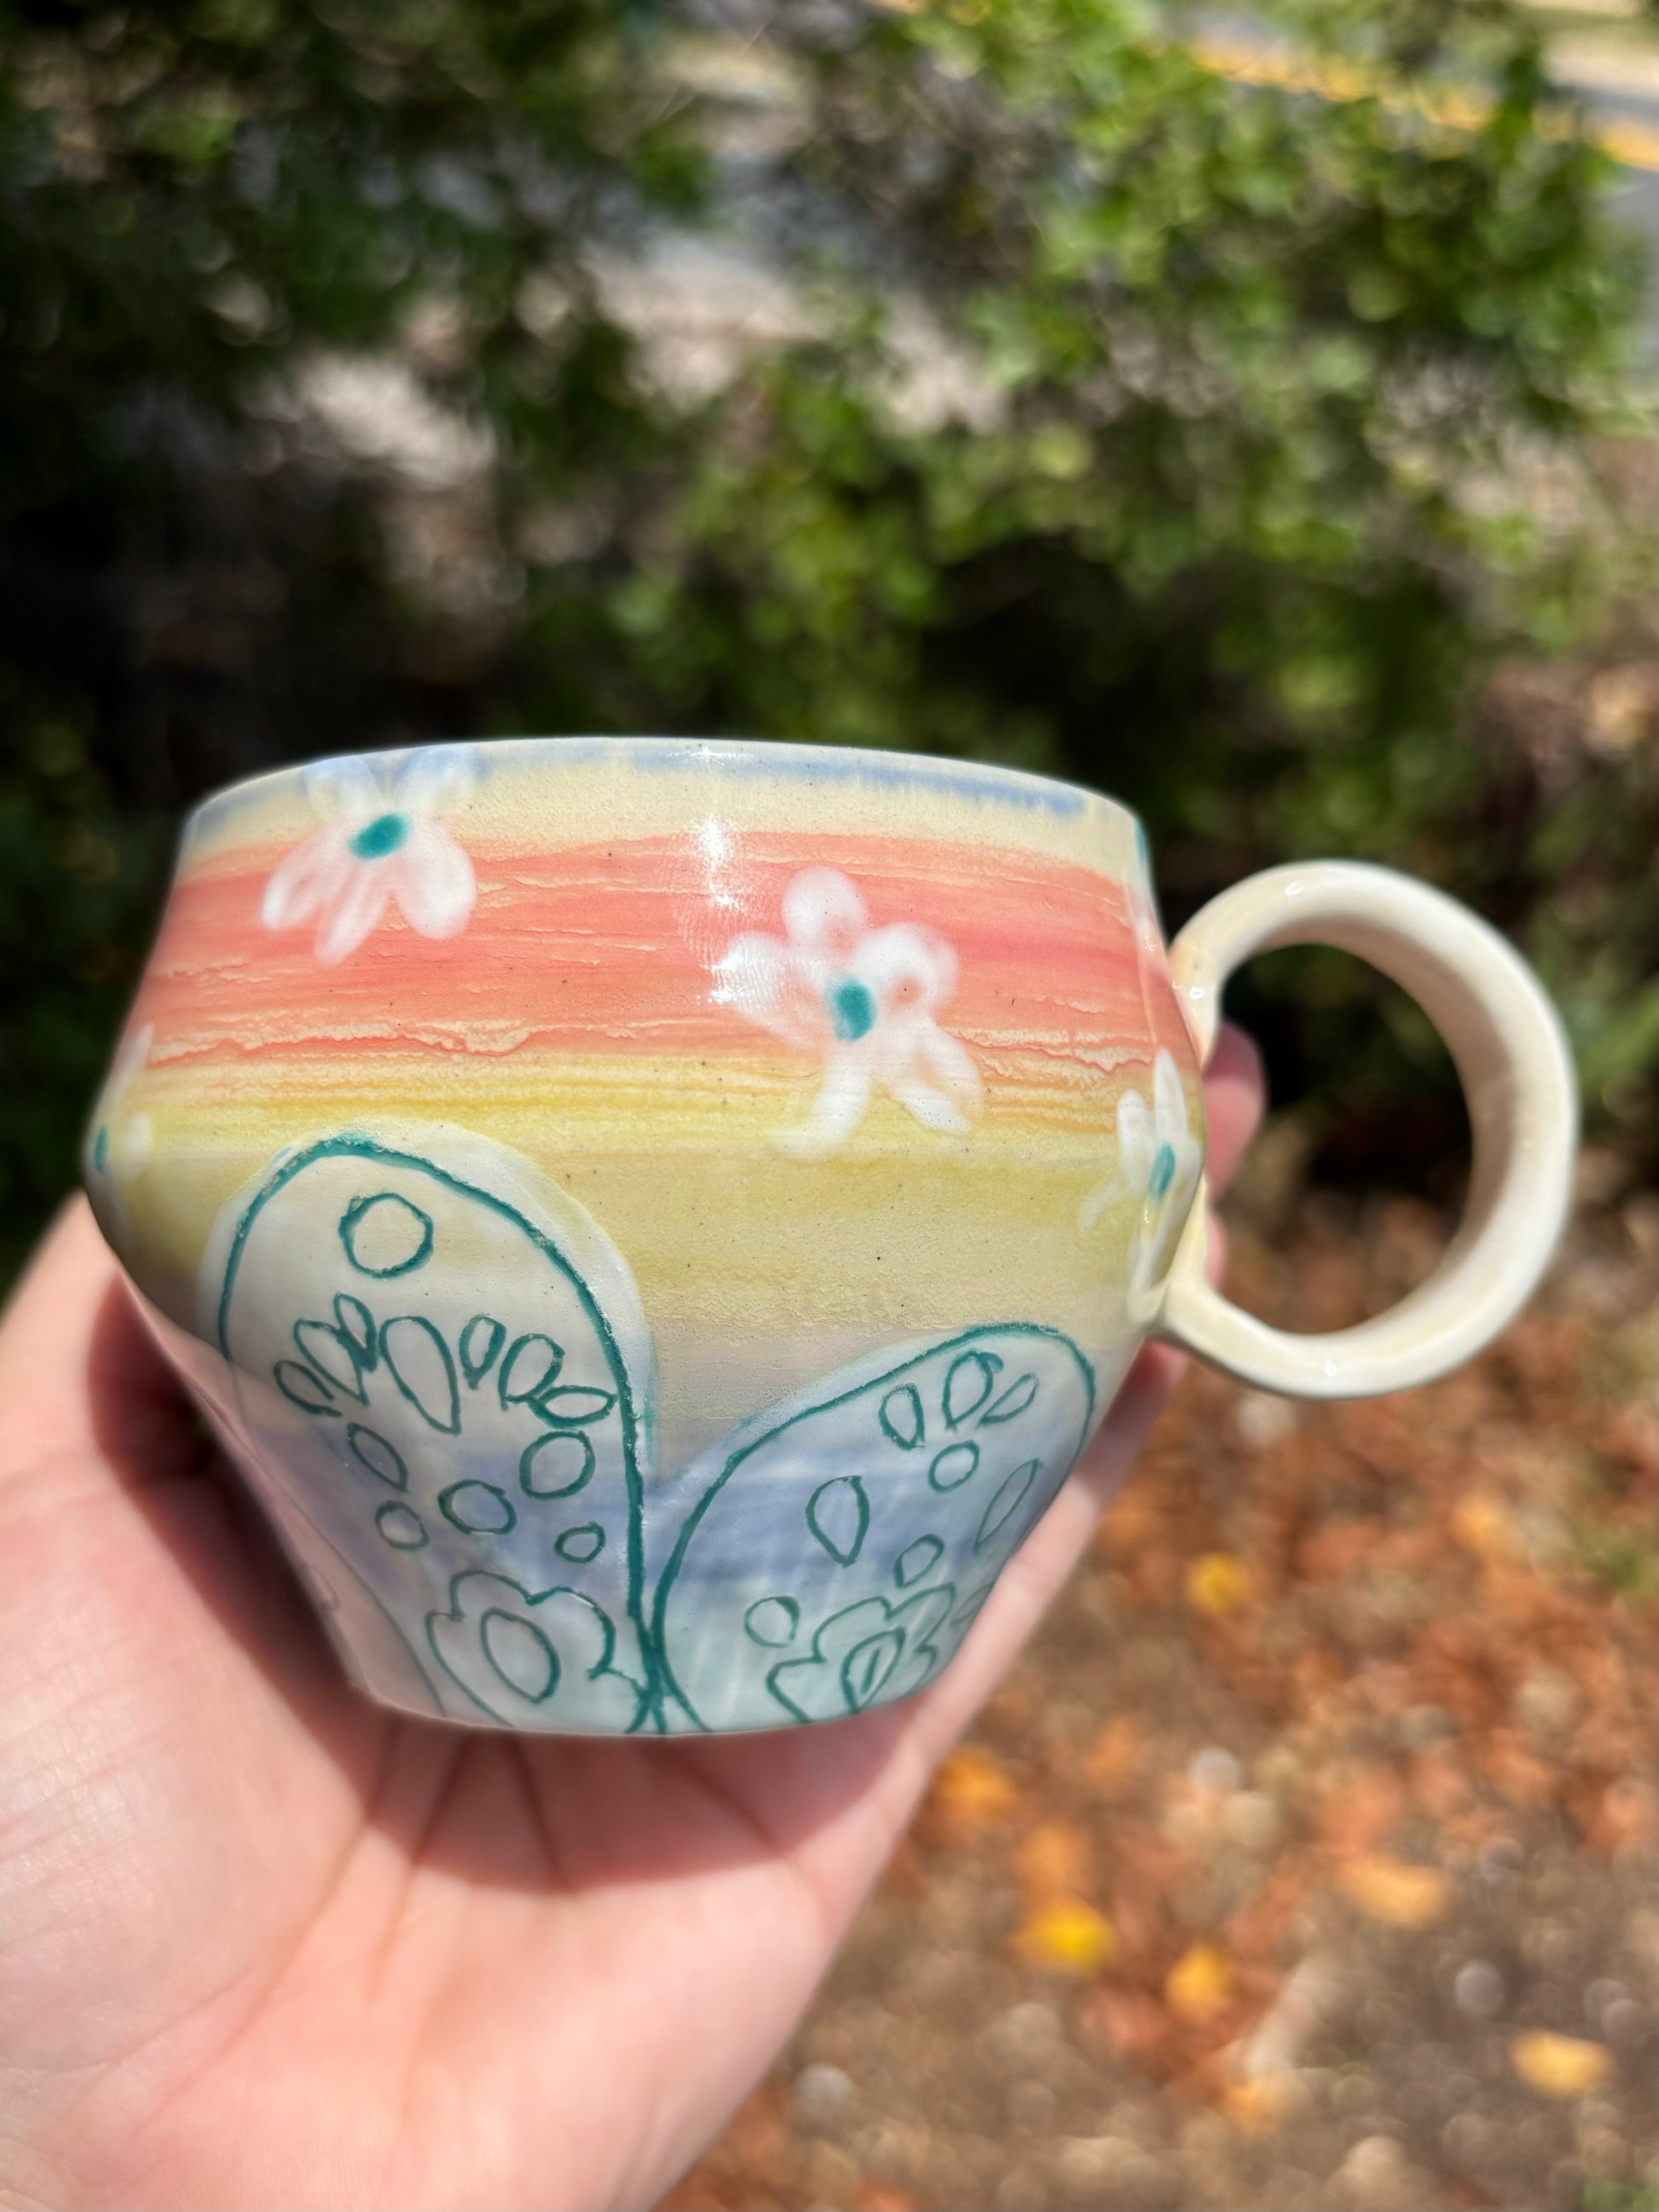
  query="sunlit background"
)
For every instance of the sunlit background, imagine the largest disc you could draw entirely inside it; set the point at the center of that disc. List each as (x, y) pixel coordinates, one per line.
(1247, 410)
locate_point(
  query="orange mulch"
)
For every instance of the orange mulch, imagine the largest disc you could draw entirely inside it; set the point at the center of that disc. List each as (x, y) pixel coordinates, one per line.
(1306, 1858)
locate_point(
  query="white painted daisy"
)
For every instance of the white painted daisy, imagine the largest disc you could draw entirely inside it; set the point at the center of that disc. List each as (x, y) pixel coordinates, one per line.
(863, 1001)
(382, 841)
(1158, 1161)
(120, 1141)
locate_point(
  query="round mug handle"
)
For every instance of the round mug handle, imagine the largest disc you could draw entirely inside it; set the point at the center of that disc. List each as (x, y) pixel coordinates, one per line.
(1519, 1083)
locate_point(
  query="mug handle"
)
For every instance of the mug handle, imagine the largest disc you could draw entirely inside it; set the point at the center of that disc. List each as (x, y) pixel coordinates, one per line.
(1519, 1083)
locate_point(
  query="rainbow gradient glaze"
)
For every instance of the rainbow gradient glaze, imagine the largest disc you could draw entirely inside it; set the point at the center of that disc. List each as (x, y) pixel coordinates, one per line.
(567, 1005)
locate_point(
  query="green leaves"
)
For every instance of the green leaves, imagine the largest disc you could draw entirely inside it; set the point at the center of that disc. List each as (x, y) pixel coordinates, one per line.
(1203, 421)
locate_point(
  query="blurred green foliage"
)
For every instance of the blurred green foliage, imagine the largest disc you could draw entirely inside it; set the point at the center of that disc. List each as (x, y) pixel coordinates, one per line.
(1244, 451)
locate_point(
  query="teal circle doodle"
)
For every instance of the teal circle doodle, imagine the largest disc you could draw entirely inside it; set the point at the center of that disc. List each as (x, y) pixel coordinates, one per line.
(578, 1546)
(401, 1529)
(952, 1466)
(477, 1507)
(557, 1466)
(385, 1235)
(772, 1621)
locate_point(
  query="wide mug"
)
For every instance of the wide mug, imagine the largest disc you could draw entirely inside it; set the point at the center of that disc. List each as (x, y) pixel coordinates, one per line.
(656, 1220)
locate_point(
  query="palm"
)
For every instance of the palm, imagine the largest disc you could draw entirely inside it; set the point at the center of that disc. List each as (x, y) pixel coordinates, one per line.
(268, 1944)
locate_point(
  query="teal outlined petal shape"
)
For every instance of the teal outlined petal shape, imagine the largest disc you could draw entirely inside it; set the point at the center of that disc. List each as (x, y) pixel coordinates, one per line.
(855, 1502)
(838, 1514)
(517, 1655)
(475, 1356)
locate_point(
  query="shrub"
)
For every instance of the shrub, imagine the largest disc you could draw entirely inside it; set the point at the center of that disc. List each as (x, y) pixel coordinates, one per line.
(1241, 448)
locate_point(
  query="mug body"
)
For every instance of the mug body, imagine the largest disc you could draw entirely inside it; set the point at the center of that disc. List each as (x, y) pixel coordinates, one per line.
(654, 1220)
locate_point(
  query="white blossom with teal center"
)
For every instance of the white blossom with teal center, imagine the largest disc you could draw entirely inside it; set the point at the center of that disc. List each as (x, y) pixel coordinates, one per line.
(865, 1001)
(121, 1140)
(1158, 1163)
(381, 842)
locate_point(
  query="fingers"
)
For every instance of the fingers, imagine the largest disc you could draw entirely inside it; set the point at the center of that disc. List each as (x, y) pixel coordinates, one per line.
(67, 1324)
(1235, 1095)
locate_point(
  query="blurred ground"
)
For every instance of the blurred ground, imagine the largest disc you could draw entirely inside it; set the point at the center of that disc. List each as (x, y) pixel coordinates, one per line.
(1307, 1860)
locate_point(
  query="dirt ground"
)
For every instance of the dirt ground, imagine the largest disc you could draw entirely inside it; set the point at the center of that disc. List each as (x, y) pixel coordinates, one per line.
(1307, 1859)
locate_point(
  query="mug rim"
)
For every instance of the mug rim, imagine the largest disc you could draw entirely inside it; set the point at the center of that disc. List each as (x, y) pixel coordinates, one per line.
(873, 764)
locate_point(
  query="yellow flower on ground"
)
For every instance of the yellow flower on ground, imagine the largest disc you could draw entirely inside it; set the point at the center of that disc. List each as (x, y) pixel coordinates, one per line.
(1200, 1984)
(1392, 1890)
(1560, 2065)
(973, 1789)
(1217, 1583)
(1067, 1937)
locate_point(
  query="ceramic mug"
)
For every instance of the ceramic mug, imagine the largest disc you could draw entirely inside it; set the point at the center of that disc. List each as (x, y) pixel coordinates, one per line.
(656, 1220)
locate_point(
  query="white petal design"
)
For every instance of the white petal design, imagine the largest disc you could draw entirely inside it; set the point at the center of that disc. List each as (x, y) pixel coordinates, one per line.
(378, 841)
(763, 979)
(906, 967)
(309, 878)
(1169, 1102)
(347, 789)
(951, 1066)
(355, 911)
(1136, 1145)
(865, 998)
(433, 882)
(929, 1107)
(837, 1110)
(437, 779)
(132, 1141)
(823, 913)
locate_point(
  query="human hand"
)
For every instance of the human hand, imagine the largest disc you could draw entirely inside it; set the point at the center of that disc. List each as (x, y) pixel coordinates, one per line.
(267, 1944)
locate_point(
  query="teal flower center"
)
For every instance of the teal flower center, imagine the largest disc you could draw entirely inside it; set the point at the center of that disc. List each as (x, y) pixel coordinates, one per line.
(376, 839)
(1163, 1174)
(851, 1009)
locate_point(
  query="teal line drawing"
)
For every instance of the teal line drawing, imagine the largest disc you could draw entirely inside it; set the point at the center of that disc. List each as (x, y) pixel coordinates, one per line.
(856, 1654)
(918, 1559)
(375, 1452)
(366, 1219)
(1007, 1502)
(772, 1621)
(326, 1347)
(902, 1417)
(1014, 1399)
(953, 1466)
(484, 1483)
(505, 1647)
(557, 1466)
(480, 1340)
(841, 1556)
(531, 1367)
(396, 1239)
(970, 1382)
(401, 1528)
(838, 1514)
(418, 1361)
